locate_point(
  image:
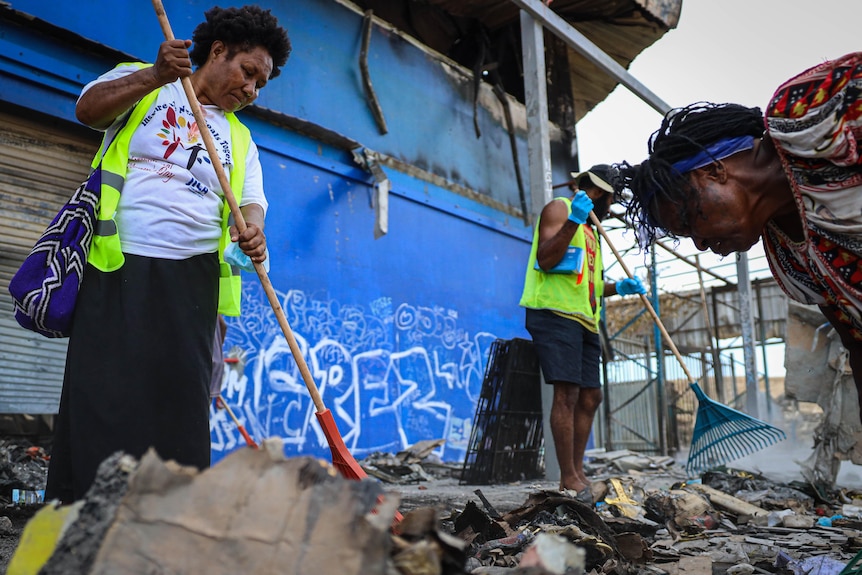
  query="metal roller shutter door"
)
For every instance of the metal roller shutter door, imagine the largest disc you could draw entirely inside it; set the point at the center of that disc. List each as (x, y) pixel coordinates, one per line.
(40, 166)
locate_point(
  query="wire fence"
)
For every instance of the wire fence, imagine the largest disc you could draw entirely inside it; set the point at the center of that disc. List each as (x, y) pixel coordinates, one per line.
(649, 407)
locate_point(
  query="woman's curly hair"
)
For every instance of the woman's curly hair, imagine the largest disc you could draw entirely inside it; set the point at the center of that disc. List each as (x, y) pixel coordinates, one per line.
(241, 29)
(656, 186)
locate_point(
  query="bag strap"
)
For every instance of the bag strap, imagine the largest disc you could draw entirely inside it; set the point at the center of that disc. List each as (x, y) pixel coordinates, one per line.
(137, 111)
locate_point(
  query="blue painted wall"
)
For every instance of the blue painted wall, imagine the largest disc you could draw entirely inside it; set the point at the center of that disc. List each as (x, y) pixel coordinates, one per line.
(395, 330)
(428, 111)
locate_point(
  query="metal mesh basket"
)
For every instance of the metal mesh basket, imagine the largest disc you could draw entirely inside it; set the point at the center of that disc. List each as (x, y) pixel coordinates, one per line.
(506, 442)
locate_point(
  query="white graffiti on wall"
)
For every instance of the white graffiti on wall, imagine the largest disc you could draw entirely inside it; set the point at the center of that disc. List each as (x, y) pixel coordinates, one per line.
(390, 377)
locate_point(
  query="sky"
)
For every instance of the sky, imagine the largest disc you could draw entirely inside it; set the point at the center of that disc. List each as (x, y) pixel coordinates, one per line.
(721, 51)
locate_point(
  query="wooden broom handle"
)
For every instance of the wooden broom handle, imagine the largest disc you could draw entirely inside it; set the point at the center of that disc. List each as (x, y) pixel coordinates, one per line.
(240, 220)
(644, 299)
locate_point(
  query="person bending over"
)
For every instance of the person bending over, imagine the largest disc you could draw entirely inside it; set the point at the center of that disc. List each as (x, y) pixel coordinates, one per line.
(728, 176)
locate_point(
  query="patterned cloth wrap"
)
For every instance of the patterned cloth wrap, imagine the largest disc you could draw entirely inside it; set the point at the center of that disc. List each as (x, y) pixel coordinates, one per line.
(815, 121)
(45, 287)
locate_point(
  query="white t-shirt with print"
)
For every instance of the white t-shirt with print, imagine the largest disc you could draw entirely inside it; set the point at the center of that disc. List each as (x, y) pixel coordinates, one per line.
(171, 203)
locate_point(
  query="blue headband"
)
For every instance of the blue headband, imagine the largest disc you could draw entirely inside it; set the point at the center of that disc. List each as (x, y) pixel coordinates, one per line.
(714, 152)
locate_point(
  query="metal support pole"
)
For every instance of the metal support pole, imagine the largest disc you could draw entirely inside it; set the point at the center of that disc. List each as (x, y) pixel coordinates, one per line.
(661, 396)
(536, 101)
(607, 442)
(747, 328)
(713, 344)
(539, 154)
(761, 324)
(540, 12)
(552, 464)
(695, 264)
(720, 388)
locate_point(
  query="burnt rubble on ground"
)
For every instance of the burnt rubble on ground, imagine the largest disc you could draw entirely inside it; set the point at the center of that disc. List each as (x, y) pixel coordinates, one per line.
(647, 518)
(23, 467)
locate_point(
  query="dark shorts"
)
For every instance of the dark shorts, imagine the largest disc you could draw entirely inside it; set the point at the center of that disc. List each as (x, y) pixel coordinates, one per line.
(568, 352)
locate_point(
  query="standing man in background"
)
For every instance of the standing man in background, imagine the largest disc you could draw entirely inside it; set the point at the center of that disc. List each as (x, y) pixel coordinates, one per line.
(563, 292)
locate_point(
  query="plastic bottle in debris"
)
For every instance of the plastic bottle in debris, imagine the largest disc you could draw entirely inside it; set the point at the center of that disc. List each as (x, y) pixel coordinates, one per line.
(27, 497)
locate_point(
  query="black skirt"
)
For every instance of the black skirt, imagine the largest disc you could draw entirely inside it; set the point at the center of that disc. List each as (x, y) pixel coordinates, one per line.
(138, 369)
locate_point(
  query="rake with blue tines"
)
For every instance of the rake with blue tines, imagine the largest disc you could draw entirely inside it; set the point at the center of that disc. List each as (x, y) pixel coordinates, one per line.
(721, 433)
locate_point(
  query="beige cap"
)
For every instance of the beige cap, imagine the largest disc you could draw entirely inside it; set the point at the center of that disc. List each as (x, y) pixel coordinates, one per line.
(599, 175)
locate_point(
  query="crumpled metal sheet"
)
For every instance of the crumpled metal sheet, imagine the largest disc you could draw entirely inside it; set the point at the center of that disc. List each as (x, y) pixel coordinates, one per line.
(818, 371)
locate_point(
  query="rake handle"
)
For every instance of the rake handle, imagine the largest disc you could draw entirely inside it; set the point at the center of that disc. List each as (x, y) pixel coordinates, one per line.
(240, 220)
(644, 299)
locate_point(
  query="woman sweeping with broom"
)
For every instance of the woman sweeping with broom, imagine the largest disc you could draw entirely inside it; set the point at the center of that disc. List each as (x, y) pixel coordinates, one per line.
(140, 354)
(726, 176)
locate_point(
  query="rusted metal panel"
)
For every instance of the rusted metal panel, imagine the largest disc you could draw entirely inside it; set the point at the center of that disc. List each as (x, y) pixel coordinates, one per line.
(683, 315)
(621, 28)
(497, 13)
(39, 168)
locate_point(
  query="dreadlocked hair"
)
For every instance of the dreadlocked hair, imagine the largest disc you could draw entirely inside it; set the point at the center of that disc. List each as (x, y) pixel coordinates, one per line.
(656, 186)
(241, 29)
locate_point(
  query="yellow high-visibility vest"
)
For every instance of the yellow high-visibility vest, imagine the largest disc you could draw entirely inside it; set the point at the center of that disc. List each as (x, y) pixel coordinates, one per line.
(106, 253)
(562, 292)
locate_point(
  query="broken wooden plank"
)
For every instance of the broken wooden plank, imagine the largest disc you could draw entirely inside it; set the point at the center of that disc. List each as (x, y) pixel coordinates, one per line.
(729, 502)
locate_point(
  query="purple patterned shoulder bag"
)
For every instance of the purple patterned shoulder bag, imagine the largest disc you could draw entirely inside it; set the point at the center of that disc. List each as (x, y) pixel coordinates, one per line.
(45, 287)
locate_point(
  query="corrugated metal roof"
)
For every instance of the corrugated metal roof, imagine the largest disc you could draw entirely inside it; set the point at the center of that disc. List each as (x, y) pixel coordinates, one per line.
(683, 314)
(621, 28)
(497, 13)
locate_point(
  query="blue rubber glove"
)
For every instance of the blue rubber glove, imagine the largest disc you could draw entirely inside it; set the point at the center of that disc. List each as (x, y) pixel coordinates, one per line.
(234, 256)
(581, 207)
(630, 286)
